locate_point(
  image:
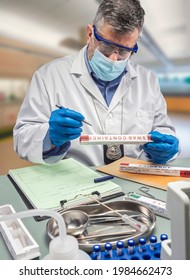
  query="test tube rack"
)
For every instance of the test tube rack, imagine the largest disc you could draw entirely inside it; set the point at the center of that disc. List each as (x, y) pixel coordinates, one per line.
(151, 251)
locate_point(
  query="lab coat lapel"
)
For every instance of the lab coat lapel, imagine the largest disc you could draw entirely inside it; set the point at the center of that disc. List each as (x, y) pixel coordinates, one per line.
(120, 92)
(79, 68)
(91, 87)
(123, 87)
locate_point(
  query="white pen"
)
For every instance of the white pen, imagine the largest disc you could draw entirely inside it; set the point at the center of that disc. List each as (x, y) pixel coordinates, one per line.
(61, 107)
(164, 170)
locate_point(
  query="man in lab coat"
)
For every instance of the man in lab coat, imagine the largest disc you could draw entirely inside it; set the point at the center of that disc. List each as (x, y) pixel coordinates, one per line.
(101, 85)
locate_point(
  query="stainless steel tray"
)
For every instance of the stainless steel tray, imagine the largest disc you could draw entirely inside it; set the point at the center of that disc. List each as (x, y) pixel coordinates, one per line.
(134, 209)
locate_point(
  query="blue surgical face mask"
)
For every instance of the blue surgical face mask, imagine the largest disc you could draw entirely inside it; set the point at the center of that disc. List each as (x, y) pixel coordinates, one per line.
(105, 68)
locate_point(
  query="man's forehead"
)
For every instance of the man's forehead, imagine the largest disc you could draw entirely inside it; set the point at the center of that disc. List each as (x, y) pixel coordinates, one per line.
(108, 29)
(108, 32)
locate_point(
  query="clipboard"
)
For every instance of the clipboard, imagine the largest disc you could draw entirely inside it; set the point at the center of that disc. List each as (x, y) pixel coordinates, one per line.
(46, 186)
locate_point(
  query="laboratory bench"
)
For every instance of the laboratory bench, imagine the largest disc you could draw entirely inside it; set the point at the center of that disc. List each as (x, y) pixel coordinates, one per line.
(9, 195)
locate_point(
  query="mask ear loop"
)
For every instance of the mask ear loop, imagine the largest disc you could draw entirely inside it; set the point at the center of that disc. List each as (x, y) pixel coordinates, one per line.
(93, 38)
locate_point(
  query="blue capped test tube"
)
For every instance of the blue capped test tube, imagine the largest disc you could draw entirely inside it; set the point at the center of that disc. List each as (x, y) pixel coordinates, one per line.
(142, 244)
(153, 242)
(108, 250)
(131, 246)
(163, 237)
(120, 248)
(96, 254)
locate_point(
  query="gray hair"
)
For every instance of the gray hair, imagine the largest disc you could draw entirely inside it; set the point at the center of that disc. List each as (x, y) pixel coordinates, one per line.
(123, 15)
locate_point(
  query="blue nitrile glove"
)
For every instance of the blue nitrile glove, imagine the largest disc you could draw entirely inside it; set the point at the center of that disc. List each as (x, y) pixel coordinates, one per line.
(64, 125)
(162, 149)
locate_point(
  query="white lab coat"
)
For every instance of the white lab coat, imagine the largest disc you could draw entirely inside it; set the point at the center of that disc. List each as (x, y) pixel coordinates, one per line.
(66, 81)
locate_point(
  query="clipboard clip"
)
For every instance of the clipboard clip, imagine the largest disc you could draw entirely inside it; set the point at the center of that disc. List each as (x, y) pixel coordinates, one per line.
(63, 202)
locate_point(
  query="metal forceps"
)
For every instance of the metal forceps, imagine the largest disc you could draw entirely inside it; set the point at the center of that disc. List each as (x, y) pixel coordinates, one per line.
(145, 190)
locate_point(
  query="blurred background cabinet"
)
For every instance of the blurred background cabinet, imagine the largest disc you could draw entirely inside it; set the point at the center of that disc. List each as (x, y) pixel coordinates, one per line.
(9, 112)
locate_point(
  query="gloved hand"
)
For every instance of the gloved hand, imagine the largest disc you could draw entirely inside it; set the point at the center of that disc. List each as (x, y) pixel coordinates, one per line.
(162, 149)
(64, 125)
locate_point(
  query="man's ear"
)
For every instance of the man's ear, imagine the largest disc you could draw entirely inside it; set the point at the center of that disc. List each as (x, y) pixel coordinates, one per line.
(89, 30)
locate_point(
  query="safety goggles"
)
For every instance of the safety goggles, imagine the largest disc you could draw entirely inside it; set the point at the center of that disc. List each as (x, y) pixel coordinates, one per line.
(107, 47)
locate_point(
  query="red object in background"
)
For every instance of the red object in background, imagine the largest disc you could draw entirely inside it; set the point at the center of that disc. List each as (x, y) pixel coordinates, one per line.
(2, 96)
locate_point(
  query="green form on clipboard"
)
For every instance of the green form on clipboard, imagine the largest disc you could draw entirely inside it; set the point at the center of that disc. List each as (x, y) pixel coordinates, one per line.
(45, 186)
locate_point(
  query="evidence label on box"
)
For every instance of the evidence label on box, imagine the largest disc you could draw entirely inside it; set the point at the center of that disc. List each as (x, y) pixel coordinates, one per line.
(164, 170)
(158, 206)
